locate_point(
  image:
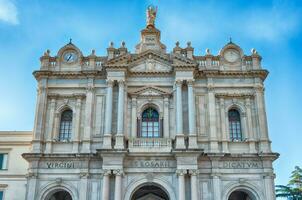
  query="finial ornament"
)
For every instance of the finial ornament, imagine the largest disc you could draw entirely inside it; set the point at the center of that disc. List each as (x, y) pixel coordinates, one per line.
(230, 40)
(151, 15)
(70, 41)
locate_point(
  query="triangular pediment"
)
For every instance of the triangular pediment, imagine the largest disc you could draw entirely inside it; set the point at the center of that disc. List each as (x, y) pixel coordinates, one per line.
(148, 91)
(150, 61)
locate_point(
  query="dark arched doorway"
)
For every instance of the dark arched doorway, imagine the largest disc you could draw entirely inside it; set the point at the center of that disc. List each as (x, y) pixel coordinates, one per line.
(150, 192)
(60, 195)
(241, 195)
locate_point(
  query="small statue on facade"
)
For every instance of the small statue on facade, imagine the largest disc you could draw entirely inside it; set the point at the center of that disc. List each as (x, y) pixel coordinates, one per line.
(151, 15)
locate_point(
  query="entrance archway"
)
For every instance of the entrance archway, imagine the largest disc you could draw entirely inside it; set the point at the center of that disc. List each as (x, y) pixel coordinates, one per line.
(150, 192)
(59, 195)
(241, 195)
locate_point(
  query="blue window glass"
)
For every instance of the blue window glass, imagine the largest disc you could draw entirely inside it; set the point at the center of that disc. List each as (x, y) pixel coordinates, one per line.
(235, 125)
(150, 124)
(65, 125)
(1, 195)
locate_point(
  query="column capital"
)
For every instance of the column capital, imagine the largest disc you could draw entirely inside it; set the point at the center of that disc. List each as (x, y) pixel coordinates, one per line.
(118, 172)
(133, 102)
(110, 82)
(221, 100)
(89, 88)
(181, 172)
(247, 101)
(106, 172)
(190, 82)
(121, 82)
(178, 82)
(193, 172)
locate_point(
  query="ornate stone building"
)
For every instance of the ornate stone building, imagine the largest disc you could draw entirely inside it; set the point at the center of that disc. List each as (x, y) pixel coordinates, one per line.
(150, 124)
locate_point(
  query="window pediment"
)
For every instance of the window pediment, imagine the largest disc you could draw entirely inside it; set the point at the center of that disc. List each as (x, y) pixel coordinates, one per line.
(149, 91)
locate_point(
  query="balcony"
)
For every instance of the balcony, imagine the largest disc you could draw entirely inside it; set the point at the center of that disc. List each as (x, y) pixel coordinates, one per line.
(150, 145)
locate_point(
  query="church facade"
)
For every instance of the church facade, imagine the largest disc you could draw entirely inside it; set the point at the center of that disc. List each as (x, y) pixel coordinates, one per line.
(150, 124)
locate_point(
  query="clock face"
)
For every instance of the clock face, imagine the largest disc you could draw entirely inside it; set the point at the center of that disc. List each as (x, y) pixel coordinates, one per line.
(70, 57)
(231, 55)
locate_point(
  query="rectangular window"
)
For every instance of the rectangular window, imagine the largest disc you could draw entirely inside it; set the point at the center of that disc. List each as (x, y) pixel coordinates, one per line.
(1, 195)
(3, 161)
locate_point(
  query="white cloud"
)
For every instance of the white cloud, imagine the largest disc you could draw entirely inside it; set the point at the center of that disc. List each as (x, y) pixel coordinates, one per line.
(8, 12)
(208, 22)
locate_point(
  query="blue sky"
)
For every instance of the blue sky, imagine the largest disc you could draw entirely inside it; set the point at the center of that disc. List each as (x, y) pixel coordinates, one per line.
(29, 27)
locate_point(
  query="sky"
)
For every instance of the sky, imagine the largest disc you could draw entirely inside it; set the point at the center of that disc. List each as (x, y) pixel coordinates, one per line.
(273, 27)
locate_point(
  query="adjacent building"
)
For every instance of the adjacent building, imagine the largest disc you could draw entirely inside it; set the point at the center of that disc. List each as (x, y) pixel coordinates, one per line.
(13, 168)
(150, 124)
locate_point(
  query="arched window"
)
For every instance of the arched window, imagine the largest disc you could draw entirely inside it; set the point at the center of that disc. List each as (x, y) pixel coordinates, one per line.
(150, 126)
(65, 125)
(235, 125)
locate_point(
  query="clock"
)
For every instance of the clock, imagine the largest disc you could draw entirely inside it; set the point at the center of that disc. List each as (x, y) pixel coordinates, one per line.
(231, 55)
(70, 57)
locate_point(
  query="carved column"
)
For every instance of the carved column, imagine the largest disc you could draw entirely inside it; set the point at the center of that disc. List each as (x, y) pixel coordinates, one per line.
(181, 183)
(269, 186)
(216, 187)
(262, 120)
(39, 116)
(212, 119)
(31, 185)
(56, 125)
(48, 147)
(84, 185)
(118, 184)
(88, 117)
(225, 147)
(119, 138)
(106, 185)
(191, 113)
(166, 117)
(108, 116)
(180, 138)
(76, 138)
(194, 184)
(134, 117)
(250, 131)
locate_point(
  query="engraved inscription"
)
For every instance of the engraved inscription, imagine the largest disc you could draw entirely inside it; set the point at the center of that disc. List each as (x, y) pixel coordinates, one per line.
(60, 165)
(242, 164)
(151, 164)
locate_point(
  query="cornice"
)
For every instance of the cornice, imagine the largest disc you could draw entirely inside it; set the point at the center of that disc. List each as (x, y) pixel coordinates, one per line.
(57, 95)
(234, 95)
(57, 155)
(68, 74)
(219, 73)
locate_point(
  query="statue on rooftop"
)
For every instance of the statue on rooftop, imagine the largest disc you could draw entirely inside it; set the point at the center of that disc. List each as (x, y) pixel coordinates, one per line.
(151, 15)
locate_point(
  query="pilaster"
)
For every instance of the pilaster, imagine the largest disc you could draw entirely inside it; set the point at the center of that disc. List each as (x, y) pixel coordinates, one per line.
(75, 145)
(88, 116)
(119, 138)
(108, 117)
(191, 114)
(48, 147)
(225, 148)
(181, 183)
(180, 138)
(212, 118)
(166, 117)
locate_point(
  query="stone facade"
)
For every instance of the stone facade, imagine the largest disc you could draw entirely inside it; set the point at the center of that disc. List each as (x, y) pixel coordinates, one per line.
(13, 170)
(194, 157)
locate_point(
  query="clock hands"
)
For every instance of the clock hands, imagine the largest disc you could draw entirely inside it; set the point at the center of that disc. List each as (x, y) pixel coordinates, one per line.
(69, 57)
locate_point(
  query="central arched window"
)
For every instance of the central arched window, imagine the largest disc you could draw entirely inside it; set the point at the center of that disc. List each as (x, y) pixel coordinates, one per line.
(65, 125)
(235, 125)
(150, 126)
